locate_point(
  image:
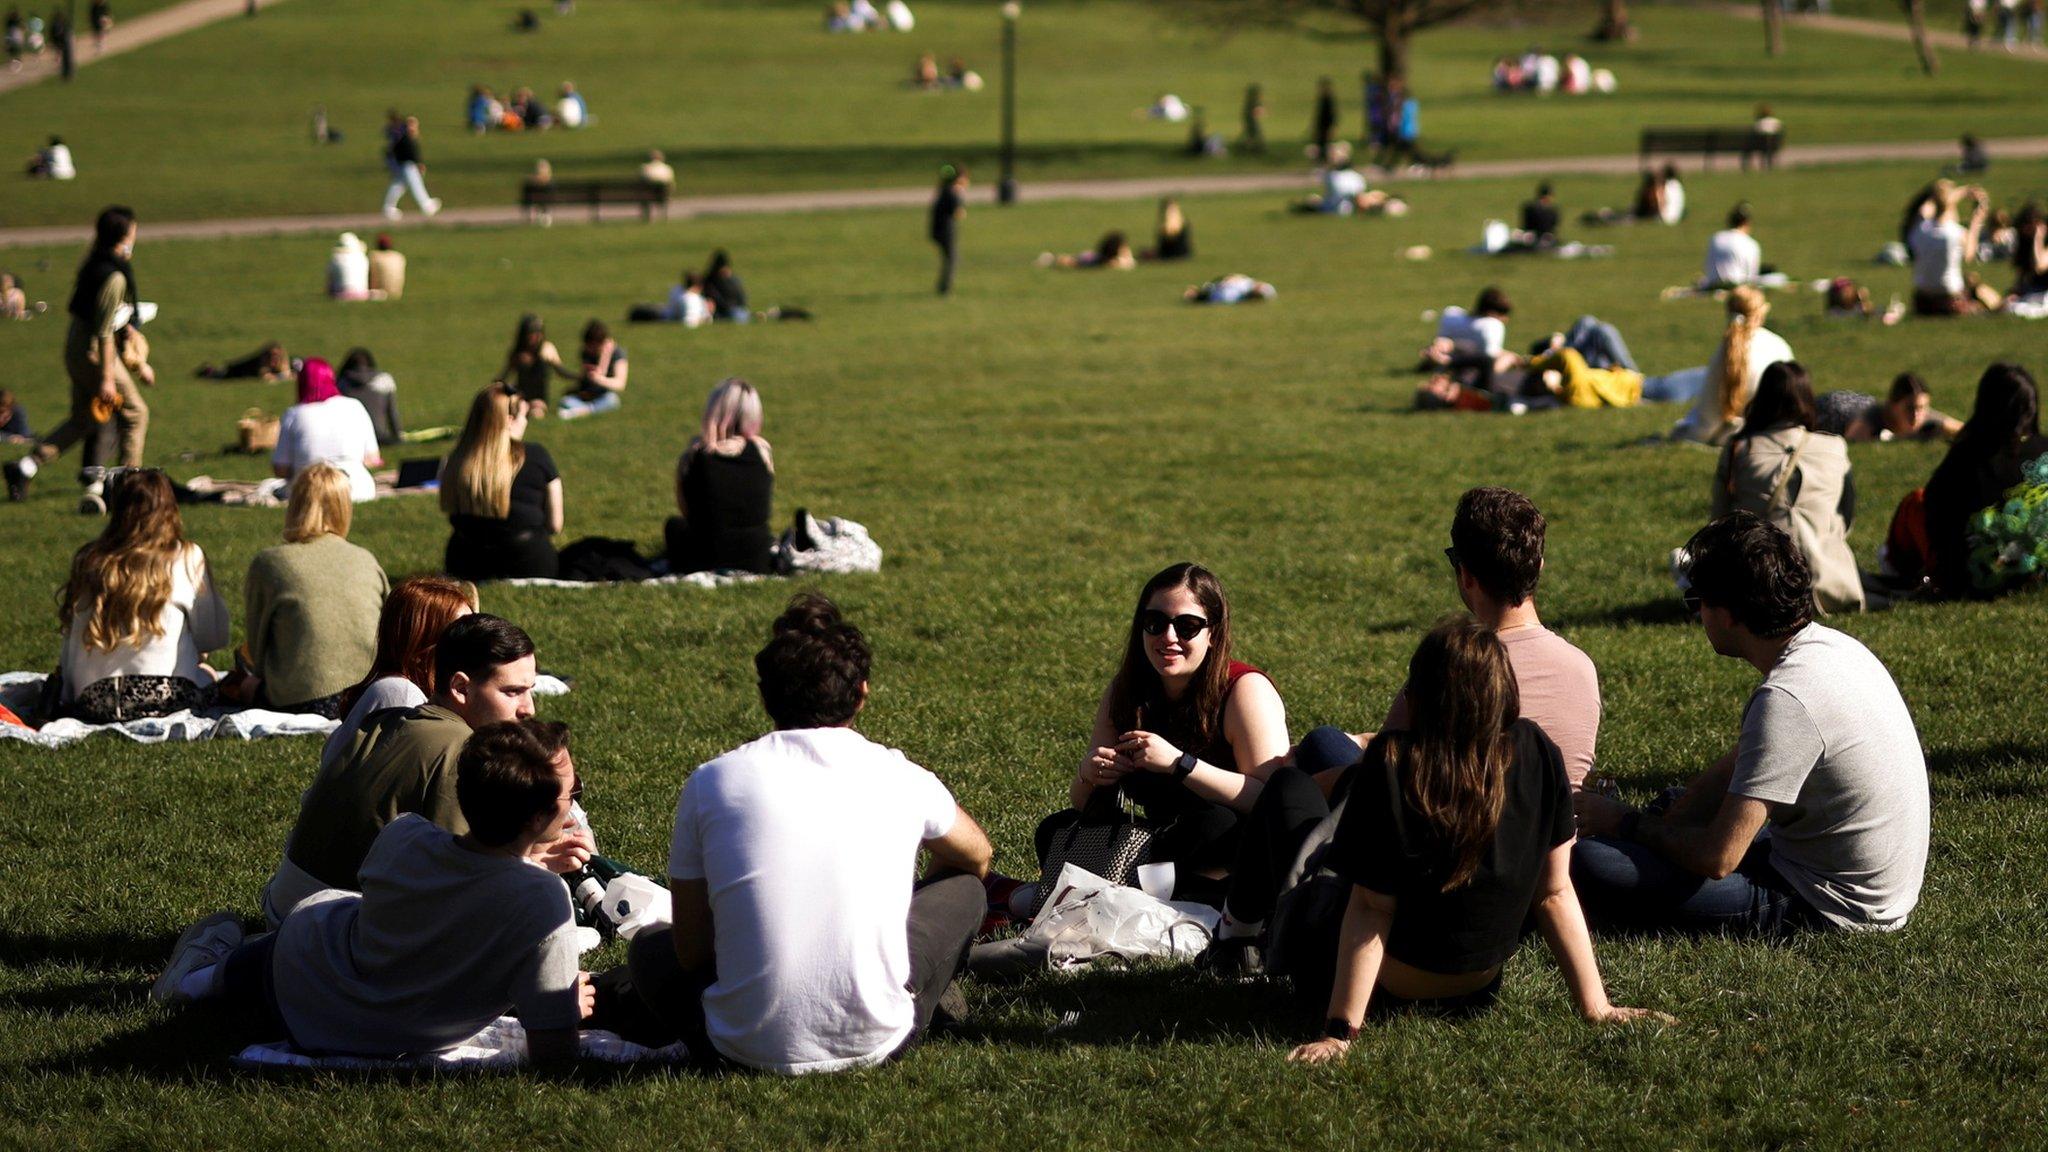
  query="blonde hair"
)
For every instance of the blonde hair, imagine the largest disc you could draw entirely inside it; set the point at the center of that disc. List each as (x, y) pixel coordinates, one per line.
(320, 504)
(1746, 309)
(121, 581)
(732, 416)
(476, 480)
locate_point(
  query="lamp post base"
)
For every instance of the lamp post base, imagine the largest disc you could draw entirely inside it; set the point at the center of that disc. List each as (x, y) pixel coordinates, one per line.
(1006, 191)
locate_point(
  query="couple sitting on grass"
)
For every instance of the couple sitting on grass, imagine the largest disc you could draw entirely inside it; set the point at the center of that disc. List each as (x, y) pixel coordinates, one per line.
(1453, 832)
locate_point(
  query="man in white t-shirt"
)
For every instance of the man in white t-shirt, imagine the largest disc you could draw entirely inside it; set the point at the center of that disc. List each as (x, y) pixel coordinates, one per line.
(1817, 819)
(451, 930)
(1940, 245)
(1474, 340)
(800, 942)
(1733, 255)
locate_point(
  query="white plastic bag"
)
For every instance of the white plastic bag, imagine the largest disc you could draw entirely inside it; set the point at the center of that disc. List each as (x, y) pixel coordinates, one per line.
(633, 902)
(1086, 917)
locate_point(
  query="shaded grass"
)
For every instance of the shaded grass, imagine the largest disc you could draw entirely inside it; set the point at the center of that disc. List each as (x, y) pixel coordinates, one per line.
(748, 97)
(1028, 452)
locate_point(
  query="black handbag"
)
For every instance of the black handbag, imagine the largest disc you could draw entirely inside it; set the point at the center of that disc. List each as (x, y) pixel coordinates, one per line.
(1112, 844)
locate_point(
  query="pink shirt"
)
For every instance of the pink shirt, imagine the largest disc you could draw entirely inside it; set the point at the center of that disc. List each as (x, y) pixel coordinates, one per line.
(1560, 691)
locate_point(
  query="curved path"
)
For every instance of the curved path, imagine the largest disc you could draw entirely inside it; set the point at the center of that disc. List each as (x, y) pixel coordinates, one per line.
(129, 35)
(692, 207)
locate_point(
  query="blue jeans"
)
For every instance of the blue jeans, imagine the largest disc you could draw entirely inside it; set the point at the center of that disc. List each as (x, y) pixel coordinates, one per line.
(1628, 885)
(1679, 387)
(573, 405)
(1600, 343)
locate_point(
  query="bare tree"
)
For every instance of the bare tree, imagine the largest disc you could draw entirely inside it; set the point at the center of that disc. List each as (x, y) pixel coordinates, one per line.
(1614, 25)
(1391, 22)
(1774, 28)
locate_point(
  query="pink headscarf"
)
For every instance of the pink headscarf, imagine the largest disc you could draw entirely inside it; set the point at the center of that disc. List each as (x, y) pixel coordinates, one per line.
(316, 382)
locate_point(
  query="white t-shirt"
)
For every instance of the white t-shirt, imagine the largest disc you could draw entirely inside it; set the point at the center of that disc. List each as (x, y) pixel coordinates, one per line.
(1473, 334)
(807, 841)
(442, 941)
(1732, 258)
(1703, 422)
(348, 273)
(194, 622)
(1341, 188)
(61, 166)
(335, 431)
(1674, 202)
(1828, 744)
(688, 306)
(1937, 248)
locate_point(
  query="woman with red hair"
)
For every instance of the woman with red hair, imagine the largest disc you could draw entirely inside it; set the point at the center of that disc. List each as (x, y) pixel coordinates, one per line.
(325, 427)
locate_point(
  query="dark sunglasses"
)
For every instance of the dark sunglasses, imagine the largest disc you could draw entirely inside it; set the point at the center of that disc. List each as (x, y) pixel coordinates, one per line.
(1155, 623)
(1692, 605)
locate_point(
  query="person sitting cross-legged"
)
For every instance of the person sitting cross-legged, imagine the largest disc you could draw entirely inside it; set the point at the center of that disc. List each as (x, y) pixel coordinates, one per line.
(1496, 557)
(452, 929)
(402, 761)
(800, 943)
(1828, 758)
(1455, 842)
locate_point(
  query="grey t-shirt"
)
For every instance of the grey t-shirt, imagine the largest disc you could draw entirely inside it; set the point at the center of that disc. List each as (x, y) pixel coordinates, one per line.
(387, 692)
(1828, 744)
(442, 941)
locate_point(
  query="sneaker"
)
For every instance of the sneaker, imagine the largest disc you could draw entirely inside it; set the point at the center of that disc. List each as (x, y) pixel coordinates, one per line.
(92, 502)
(205, 943)
(432, 207)
(17, 481)
(952, 1009)
(1233, 958)
(392, 213)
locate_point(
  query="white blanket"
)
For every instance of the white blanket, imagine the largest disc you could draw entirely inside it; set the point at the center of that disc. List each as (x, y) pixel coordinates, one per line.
(501, 1047)
(19, 691)
(837, 545)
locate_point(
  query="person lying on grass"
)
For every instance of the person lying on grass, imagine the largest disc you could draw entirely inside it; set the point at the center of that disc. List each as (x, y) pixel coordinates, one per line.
(452, 930)
(1828, 758)
(1456, 838)
(1231, 289)
(1112, 251)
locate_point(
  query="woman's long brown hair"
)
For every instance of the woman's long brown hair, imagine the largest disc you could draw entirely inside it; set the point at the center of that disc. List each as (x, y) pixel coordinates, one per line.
(1137, 696)
(409, 631)
(121, 581)
(1453, 761)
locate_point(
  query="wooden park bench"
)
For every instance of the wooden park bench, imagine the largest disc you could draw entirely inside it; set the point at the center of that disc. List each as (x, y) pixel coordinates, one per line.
(539, 200)
(1746, 142)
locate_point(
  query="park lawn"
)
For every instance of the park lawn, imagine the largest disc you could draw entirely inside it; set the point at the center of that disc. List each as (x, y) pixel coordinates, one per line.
(1028, 452)
(757, 97)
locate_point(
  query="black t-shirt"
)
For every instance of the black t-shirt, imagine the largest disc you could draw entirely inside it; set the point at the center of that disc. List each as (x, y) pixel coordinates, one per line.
(726, 294)
(591, 392)
(945, 212)
(1539, 218)
(405, 149)
(1385, 845)
(1179, 246)
(528, 510)
(1963, 484)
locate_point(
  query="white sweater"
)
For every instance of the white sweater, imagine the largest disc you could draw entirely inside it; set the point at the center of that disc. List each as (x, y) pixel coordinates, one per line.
(195, 622)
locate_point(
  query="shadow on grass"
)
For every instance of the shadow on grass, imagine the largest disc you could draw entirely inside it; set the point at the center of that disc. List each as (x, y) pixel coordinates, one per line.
(905, 161)
(2008, 769)
(1152, 1004)
(1649, 614)
(90, 949)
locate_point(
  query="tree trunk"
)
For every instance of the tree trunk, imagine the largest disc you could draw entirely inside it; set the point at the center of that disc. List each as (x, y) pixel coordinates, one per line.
(1916, 18)
(1774, 28)
(1393, 38)
(1614, 25)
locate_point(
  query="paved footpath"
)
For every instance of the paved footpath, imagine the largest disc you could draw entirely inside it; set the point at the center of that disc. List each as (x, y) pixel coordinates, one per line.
(1890, 30)
(693, 207)
(127, 36)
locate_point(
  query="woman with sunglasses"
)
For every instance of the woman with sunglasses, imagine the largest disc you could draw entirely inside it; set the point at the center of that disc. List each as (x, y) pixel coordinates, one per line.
(1184, 732)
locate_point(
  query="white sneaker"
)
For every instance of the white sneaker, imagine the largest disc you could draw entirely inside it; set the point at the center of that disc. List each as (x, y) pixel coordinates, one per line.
(433, 207)
(92, 502)
(203, 944)
(392, 213)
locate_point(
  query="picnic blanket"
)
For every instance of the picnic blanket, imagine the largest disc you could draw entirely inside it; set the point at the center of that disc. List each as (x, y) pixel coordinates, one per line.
(20, 690)
(272, 493)
(500, 1047)
(810, 545)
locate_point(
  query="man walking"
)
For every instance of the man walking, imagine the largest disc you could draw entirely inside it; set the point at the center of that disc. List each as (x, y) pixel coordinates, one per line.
(408, 172)
(948, 208)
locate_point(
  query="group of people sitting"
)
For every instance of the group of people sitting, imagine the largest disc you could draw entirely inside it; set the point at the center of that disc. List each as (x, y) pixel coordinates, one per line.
(522, 111)
(1660, 199)
(1941, 246)
(532, 363)
(1345, 191)
(958, 77)
(1394, 871)
(862, 15)
(356, 272)
(52, 162)
(716, 294)
(1175, 240)
(1539, 72)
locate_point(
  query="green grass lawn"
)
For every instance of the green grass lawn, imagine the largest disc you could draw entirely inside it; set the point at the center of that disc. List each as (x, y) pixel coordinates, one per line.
(1028, 452)
(757, 97)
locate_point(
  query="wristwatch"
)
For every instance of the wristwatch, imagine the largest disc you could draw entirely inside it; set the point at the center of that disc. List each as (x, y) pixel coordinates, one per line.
(1338, 1028)
(1185, 766)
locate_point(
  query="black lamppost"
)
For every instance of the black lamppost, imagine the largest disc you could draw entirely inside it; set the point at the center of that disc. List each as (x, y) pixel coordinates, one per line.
(1006, 189)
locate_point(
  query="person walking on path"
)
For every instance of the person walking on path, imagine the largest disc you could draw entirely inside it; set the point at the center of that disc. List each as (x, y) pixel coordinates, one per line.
(101, 387)
(407, 171)
(948, 207)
